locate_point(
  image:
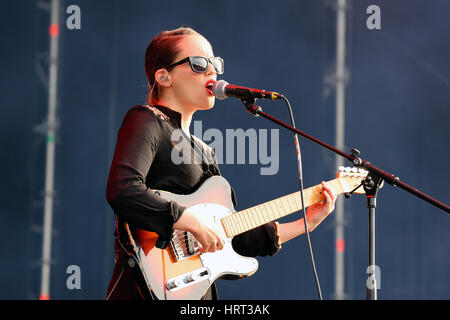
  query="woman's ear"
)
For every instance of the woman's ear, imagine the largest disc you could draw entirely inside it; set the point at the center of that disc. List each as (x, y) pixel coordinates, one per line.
(163, 78)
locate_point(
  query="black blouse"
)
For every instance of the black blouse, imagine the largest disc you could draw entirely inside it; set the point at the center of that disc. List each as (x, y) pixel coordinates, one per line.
(142, 161)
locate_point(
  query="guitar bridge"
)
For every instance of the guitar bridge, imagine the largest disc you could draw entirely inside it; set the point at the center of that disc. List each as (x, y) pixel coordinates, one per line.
(183, 245)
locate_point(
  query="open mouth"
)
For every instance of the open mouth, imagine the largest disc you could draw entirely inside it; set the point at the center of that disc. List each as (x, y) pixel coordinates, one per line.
(209, 86)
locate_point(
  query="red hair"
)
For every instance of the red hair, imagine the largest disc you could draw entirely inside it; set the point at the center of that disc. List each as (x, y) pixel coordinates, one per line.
(161, 53)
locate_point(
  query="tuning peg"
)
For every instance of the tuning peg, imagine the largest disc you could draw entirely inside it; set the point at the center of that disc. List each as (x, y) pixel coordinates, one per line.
(355, 152)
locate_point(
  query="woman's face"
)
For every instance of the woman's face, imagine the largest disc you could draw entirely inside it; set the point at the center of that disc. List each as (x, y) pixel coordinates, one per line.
(189, 87)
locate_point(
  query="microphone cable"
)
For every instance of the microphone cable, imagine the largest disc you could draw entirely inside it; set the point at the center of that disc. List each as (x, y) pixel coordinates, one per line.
(300, 178)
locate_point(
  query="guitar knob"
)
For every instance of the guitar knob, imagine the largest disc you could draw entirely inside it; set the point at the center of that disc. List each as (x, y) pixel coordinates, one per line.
(173, 284)
(192, 277)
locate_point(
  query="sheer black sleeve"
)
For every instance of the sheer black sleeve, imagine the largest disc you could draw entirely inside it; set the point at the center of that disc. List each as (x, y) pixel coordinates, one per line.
(262, 241)
(127, 192)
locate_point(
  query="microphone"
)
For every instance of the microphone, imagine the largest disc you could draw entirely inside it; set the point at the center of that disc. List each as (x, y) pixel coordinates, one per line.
(223, 89)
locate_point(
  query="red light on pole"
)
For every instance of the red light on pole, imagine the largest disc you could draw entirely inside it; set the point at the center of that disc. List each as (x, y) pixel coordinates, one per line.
(53, 30)
(44, 297)
(340, 245)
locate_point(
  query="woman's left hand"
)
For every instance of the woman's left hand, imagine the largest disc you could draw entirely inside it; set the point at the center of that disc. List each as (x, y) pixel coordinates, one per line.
(317, 212)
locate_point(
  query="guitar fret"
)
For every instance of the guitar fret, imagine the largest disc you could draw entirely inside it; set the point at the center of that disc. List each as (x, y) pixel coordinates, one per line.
(275, 203)
(258, 216)
(251, 219)
(247, 220)
(320, 194)
(262, 214)
(280, 207)
(312, 197)
(243, 221)
(291, 208)
(309, 196)
(273, 211)
(284, 205)
(316, 197)
(292, 202)
(269, 211)
(238, 223)
(299, 199)
(230, 224)
(254, 217)
(266, 213)
(233, 225)
(317, 194)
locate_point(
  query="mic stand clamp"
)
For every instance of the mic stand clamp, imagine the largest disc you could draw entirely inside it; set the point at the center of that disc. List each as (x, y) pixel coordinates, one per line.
(250, 107)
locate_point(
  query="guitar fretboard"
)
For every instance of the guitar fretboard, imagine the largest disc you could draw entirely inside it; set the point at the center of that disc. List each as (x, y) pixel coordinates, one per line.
(253, 217)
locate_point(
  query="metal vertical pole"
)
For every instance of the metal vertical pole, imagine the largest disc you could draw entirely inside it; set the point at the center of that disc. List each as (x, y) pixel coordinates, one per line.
(339, 284)
(112, 108)
(50, 151)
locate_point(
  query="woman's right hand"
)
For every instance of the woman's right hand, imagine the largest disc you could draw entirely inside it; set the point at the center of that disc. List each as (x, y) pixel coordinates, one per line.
(209, 240)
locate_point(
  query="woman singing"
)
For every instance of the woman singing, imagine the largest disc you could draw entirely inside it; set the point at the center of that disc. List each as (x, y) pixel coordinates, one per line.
(180, 65)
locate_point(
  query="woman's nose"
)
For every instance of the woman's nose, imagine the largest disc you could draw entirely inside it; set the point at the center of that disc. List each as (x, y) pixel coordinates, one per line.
(210, 69)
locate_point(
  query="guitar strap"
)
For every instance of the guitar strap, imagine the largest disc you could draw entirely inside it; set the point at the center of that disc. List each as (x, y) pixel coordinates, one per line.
(130, 257)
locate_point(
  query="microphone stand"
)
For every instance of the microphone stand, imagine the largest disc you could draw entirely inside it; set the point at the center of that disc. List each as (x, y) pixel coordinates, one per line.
(371, 184)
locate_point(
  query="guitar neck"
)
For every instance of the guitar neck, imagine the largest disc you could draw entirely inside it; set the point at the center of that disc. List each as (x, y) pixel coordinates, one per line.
(253, 217)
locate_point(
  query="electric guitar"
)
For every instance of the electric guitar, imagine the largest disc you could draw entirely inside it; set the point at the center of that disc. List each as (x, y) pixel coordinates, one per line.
(180, 271)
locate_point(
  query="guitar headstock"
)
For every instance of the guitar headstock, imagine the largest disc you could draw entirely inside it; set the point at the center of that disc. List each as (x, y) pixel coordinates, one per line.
(351, 178)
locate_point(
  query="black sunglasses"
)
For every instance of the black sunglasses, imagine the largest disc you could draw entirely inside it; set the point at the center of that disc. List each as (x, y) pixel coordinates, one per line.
(200, 64)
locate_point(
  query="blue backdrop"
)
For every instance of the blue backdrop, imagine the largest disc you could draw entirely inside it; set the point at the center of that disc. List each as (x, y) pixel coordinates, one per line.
(397, 115)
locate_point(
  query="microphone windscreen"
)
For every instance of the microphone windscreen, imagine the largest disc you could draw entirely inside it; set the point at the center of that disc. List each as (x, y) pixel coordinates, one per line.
(218, 89)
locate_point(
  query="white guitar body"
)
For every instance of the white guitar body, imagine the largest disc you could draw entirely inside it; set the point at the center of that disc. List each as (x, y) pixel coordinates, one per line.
(190, 277)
